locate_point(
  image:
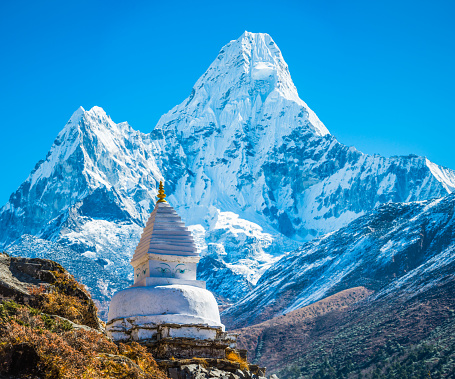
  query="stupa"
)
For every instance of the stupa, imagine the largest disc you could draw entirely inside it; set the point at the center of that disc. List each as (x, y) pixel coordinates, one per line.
(167, 308)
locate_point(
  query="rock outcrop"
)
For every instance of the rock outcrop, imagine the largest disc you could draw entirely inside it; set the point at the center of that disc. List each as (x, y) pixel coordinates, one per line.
(47, 286)
(49, 328)
(200, 368)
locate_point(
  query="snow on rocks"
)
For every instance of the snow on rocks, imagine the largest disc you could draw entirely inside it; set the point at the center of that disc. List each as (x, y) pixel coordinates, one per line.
(398, 250)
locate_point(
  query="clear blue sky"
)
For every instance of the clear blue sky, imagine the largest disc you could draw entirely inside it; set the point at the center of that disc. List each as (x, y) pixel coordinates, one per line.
(379, 74)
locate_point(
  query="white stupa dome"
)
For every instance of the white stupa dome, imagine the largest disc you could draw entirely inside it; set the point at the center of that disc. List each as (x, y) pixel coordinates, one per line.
(173, 304)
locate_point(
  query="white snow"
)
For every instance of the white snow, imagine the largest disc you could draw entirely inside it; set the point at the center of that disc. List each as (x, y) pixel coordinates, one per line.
(445, 176)
(90, 254)
(263, 71)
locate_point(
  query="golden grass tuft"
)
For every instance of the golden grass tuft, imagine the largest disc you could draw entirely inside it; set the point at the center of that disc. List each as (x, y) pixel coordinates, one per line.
(232, 356)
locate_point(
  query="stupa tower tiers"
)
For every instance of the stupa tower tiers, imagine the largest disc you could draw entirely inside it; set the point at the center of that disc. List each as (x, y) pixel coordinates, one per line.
(166, 253)
(167, 308)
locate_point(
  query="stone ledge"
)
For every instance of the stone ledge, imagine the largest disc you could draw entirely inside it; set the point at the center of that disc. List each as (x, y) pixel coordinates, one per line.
(185, 334)
(185, 348)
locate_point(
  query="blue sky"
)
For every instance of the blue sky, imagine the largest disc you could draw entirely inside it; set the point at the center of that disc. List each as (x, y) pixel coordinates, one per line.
(379, 74)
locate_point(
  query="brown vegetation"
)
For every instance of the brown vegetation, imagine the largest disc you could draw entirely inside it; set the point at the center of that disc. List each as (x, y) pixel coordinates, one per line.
(272, 342)
(58, 350)
(233, 356)
(66, 298)
(389, 337)
(49, 328)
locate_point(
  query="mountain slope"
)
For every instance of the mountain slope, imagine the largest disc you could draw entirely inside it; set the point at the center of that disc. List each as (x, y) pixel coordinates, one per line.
(92, 194)
(246, 163)
(94, 168)
(342, 337)
(245, 142)
(399, 249)
(274, 340)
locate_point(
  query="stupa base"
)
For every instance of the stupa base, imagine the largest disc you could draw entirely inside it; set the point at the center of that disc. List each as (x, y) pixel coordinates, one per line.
(187, 348)
(166, 341)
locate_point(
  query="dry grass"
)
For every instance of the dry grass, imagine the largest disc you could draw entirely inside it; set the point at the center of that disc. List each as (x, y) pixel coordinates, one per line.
(66, 298)
(232, 356)
(64, 352)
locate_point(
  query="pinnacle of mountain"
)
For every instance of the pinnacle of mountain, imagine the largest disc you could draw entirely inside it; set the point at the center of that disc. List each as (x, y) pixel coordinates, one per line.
(244, 142)
(247, 83)
(92, 160)
(252, 67)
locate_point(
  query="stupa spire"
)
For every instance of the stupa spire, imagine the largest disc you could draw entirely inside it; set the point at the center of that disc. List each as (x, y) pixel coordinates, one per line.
(161, 195)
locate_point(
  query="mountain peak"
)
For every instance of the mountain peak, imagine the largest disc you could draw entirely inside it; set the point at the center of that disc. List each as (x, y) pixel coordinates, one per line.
(76, 116)
(245, 167)
(95, 110)
(259, 39)
(249, 81)
(80, 112)
(253, 54)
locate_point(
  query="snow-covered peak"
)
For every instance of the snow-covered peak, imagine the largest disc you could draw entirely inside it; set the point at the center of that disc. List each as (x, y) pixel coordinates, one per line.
(72, 127)
(248, 79)
(97, 110)
(86, 126)
(76, 117)
(246, 164)
(443, 175)
(92, 154)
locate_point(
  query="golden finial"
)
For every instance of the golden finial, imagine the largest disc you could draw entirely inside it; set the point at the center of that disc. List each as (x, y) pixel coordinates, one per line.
(161, 194)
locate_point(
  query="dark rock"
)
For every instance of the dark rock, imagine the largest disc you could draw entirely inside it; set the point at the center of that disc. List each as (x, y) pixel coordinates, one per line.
(216, 369)
(21, 359)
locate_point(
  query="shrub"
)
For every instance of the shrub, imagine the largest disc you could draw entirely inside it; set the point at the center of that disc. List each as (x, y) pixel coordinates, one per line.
(66, 298)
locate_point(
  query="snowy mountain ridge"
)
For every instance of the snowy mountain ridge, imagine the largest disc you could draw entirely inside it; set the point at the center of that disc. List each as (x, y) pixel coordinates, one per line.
(400, 250)
(248, 166)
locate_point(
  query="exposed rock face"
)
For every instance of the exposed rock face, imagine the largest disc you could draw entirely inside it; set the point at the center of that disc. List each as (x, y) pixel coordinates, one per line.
(19, 275)
(42, 284)
(211, 368)
(86, 270)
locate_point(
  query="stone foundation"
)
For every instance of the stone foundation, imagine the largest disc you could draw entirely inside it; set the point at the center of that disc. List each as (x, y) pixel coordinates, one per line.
(186, 348)
(198, 368)
(166, 341)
